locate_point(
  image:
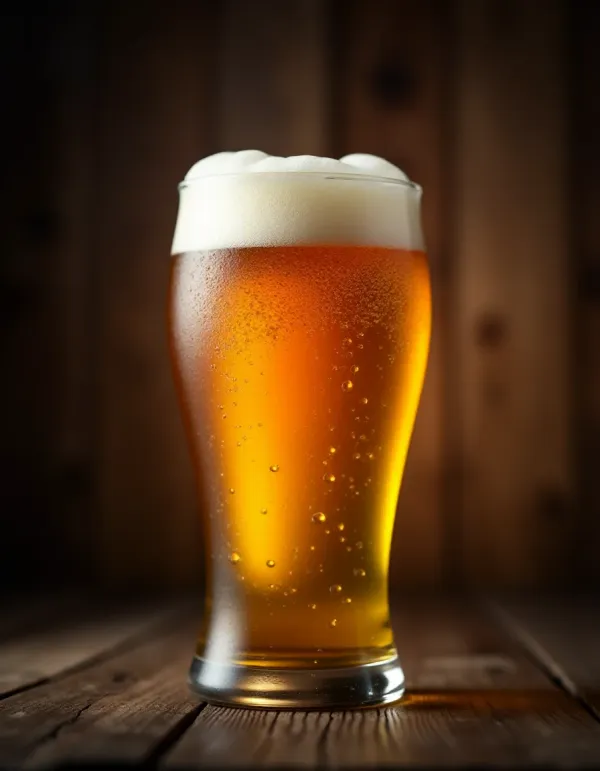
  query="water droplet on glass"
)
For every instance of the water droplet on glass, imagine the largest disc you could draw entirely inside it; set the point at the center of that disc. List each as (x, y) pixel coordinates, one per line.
(259, 425)
(333, 622)
(329, 477)
(263, 511)
(335, 588)
(234, 558)
(270, 563)
(347, 385)
(361, 572)
(238, 444)
(223, 416)
(221, 407)
(274, 467)
(319, 517)
(231, 490)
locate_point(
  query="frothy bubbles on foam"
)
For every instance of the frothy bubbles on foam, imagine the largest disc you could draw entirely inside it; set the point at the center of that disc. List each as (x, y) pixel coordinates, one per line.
(250, 198)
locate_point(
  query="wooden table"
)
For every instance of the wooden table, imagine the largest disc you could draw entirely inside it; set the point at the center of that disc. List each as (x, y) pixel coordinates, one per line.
(504, 684)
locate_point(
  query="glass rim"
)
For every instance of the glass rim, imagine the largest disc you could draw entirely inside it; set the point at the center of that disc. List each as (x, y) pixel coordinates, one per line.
(344, 176)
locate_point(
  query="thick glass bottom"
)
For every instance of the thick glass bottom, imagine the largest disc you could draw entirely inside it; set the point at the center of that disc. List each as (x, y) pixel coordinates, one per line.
(231, 685)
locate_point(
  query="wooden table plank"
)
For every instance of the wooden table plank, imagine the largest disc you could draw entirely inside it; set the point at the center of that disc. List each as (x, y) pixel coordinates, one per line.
(121, 709)
(563, 634)
(475, 697)
(74, 640)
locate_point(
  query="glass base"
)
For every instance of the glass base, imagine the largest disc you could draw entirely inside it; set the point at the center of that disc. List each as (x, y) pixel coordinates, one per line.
(230, 685)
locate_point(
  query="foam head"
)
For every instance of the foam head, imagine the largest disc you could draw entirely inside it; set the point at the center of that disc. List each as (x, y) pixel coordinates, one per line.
(249, 198)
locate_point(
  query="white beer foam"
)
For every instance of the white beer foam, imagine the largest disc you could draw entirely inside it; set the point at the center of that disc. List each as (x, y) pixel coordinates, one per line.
(248, 198)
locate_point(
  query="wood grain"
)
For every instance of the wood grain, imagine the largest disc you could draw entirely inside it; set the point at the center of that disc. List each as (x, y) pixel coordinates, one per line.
(474, 697)
(154, 120)
(564, 635)
(387, 101)
(120, 708)
(272, 84)
(69, 642)
(511, 305)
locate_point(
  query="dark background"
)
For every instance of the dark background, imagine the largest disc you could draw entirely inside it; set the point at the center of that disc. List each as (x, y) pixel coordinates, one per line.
(492, 105)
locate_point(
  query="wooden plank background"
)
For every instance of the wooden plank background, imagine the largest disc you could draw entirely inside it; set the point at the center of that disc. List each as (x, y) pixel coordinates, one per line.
(490, 105)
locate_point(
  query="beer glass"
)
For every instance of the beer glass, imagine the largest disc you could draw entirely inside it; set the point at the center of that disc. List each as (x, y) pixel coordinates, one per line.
(299, 321)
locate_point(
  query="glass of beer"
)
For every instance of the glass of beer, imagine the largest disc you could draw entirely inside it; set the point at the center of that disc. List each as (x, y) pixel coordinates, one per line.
(299, 321)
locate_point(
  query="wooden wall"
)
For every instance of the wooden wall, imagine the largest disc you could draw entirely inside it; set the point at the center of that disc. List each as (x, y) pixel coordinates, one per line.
(491, 106)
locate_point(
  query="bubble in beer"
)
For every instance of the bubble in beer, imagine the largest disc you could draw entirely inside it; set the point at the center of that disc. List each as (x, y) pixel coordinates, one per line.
(347, 341)
(356, 456)
(335, 588)
(234, 558)
(359, 544)
(347, 385)
(360, 572)
(370, 455)
(312, 606)
(231, 491)
(342, 539)
(329, 477)
(274, 587)
(318, 518)
(274, 468)
(270, 563)
(362, 438)
(312, 548)
(347, 600)
(332, 450)
(354, 368)
(364, 400)
(333, 622)
(263, 511)
(341, 526)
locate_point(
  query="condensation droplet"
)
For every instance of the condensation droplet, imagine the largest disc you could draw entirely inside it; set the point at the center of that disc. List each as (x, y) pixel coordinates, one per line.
(361, 572)
(329, 477)
(231, 491)
(263, 511)
(319, 517)
(270, 563)
(274, 467)
(234, 558)
(335, 588)
(347, 385)
(333, 622)
(238, 444)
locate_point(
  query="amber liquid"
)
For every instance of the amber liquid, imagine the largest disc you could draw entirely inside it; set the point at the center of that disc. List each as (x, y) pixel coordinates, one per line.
(299, 371)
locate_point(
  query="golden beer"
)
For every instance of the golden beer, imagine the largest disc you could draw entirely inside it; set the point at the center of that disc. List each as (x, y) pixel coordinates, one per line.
(299, 368)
